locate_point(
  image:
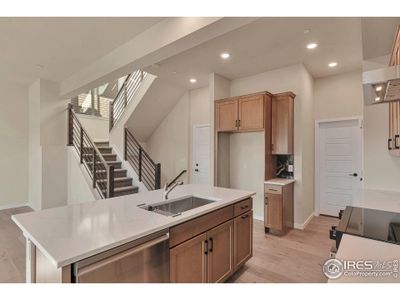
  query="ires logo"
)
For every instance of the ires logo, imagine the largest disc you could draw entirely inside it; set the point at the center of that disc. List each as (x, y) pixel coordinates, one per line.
(335, 268)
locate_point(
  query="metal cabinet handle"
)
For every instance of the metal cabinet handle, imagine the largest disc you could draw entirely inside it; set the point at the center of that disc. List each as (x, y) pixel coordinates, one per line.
(244, 207)
(396, 139)
(245, 216)
(206, 247)
(211, 244)
(266, 200)
(238, 123)
(389, 144)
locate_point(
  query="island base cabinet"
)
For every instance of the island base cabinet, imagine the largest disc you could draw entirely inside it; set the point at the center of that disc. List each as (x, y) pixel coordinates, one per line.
(220, 253)
(243, 239)
(188, 261)
(205, 258)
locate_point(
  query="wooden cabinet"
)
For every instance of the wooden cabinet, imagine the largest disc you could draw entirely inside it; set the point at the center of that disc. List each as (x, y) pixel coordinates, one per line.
(278, 208)
(394, 106)
(243, 237)
(251, 113)
(188, 261)
(282, 123)
(224, 244)
(226, 115)
(240, 114)
(220, 253)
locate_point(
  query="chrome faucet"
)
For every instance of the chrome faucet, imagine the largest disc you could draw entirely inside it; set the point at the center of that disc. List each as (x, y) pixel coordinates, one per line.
(168, 187)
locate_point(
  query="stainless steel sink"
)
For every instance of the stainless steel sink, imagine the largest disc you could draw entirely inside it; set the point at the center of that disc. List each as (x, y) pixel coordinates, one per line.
(176, 207)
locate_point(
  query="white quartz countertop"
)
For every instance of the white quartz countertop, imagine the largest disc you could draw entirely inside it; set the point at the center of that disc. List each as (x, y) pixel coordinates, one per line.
(280, 181)
(358, 248)
(377, 199)
(71, 233)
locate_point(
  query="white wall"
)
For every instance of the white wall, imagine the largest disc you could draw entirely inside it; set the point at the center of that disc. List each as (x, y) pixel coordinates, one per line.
(338, 96)
(247, 166)
(47, 146)
(14, 145)
(96, 127)
(169, 143)
(79, 183)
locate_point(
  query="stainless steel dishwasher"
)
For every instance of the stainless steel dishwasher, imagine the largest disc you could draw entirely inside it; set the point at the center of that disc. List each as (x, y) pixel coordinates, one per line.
(144, 260)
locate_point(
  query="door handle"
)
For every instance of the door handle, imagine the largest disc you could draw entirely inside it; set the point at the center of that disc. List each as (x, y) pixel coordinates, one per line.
(353, 174)
(211, 245)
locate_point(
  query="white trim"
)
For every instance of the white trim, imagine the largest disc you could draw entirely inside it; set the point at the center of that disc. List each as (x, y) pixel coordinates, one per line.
(9, 206)
(260, 218)
(304, 225)
(316, 152)
(193, 148)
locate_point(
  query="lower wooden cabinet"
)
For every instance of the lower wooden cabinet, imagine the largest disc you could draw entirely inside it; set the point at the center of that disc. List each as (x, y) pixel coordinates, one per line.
(214, 255)
(278, 208)
(243, 239)
(220, 253)
(188, 261)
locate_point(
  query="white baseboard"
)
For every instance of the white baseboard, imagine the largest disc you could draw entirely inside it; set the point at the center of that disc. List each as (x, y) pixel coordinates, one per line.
(304, 225)
(9, 206)
(260, 218)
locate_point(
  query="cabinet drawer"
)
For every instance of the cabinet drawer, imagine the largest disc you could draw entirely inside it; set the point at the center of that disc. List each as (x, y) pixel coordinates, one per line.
(243, 206)
(182, 232)
(272, 189)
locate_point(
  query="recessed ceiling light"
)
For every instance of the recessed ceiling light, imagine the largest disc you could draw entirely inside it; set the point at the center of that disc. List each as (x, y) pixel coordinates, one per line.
(312, 45)
(193, 80)
(307, 31)
(378, 88)
(225, 55)
(377, 98)
(332, 64)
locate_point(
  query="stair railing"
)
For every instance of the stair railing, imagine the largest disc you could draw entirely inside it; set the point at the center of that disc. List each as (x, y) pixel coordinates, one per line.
(101, 173)
(125, 95)
(148, 171)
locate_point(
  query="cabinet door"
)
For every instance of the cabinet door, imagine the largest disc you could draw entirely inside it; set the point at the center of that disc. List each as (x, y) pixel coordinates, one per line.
(226, 115)
(282, 125)
(188, 261)
(274, 211)
(220, 253)
(251, 113)
(243, 238)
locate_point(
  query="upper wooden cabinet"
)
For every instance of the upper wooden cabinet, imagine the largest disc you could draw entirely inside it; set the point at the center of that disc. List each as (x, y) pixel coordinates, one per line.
(227, 112)
(282, 123)
(251, 113)
(240, 114)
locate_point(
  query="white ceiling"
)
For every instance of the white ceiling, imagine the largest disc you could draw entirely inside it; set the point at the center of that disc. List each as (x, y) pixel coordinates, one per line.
(377, 36)
(266, 44)
(61, 46)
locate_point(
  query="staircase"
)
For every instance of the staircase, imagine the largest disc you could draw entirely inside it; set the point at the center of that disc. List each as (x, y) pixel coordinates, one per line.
(103, 166)
(122, 184)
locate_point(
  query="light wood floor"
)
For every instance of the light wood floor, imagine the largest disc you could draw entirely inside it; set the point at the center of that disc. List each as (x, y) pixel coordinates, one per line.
(12, 247)
(296, 257)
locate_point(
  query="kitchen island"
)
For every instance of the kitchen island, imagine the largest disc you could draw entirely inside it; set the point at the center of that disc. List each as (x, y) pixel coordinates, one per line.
(59, 239)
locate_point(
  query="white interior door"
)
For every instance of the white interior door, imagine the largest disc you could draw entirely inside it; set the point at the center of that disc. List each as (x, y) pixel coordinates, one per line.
(201, 154)
(339, 165)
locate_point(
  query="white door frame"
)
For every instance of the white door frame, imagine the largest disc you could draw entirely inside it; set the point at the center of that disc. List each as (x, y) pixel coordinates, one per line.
(193, 149)
(360, 121)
